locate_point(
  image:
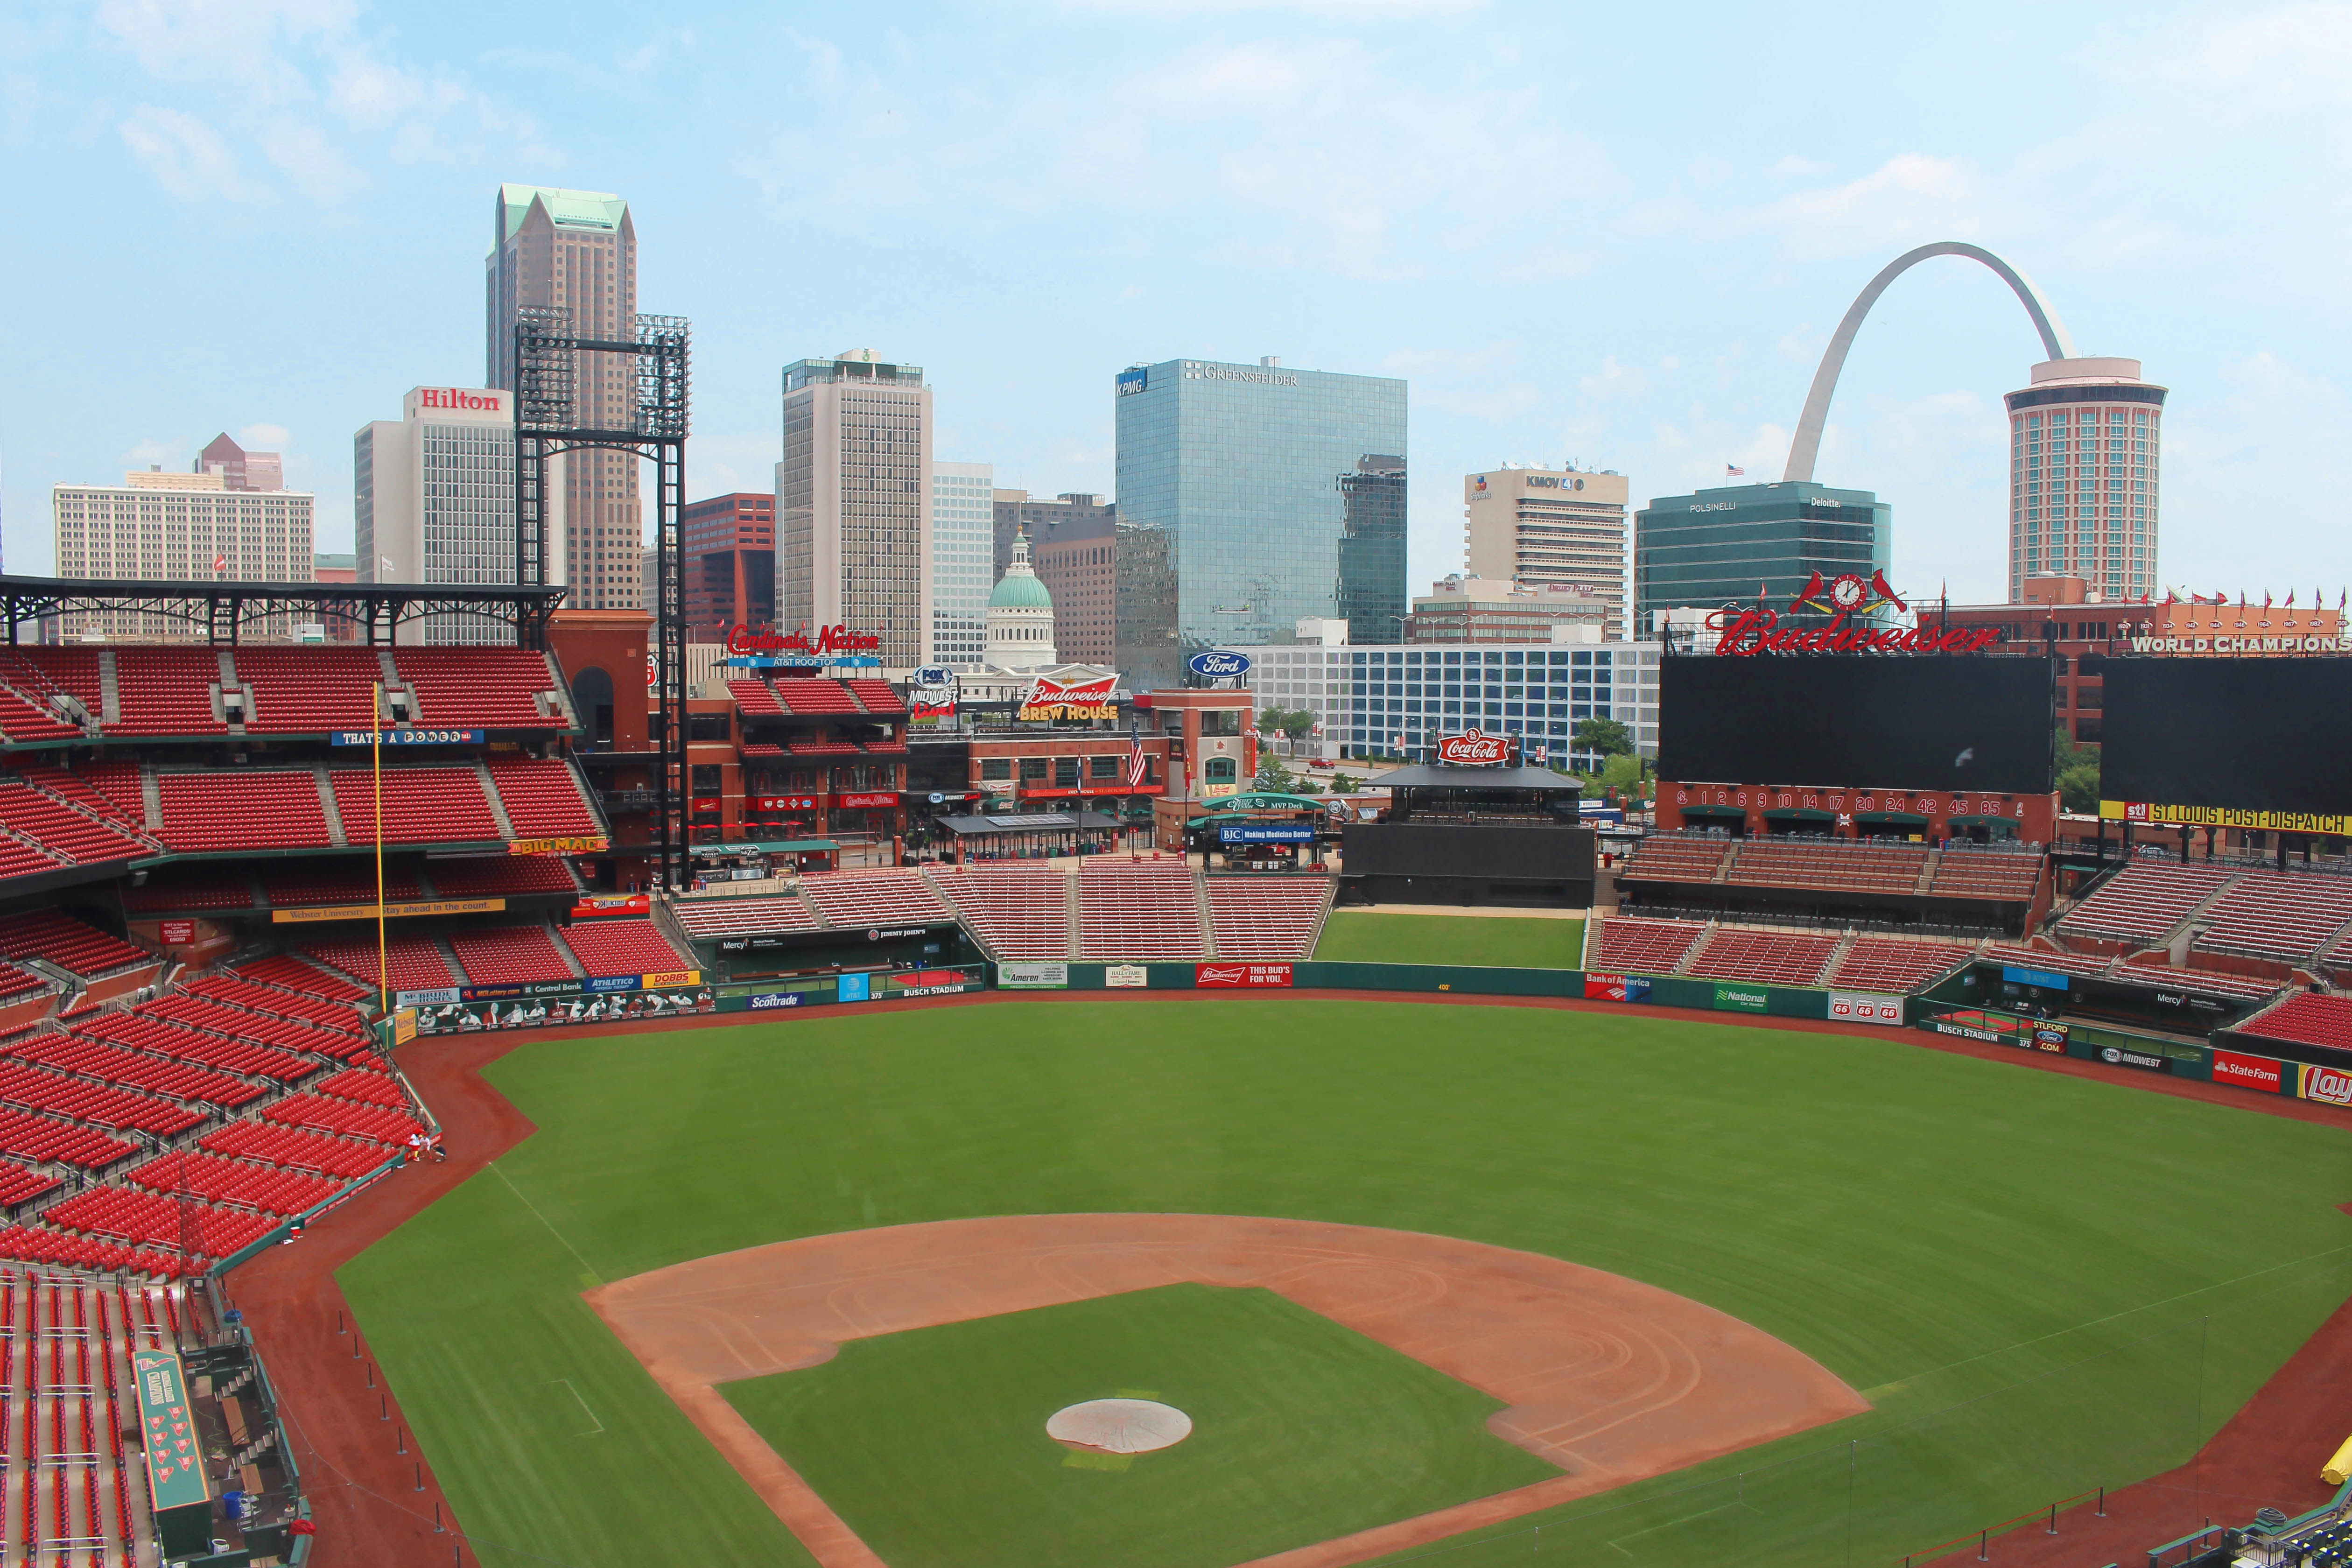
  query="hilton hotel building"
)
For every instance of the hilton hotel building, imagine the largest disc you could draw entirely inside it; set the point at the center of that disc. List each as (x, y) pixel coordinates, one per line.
(1543, 528)
(433, 500)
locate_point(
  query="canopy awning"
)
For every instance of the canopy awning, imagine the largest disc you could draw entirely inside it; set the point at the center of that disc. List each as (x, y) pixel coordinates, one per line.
(1804, 813)
(765, 846)
(1713, 811)
(1903, 816)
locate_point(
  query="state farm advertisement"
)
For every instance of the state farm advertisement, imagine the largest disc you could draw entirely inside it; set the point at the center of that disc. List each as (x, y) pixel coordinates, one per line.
(2247, 1072)
(1212, 975)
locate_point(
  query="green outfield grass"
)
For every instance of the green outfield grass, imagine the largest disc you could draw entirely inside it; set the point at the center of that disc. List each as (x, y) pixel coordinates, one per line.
(2042, 1283)
(1501, 941)
(1302, 1430)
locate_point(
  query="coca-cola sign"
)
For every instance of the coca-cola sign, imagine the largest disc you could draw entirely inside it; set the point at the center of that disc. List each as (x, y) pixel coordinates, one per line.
(1474, 748)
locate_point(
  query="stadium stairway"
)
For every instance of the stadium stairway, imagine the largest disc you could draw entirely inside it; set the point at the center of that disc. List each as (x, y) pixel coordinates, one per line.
(498, 807)
(1208, 918)
(1076, 904)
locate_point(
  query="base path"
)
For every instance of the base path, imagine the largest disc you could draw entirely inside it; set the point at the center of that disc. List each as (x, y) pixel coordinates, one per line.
(1610, 1379)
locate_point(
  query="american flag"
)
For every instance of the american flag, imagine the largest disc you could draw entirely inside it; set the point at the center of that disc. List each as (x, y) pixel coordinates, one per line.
(1731, 471)
(1137, 765)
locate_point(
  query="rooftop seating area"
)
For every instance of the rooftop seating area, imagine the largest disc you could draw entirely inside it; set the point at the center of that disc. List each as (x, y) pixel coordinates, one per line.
(260, 808)
(1642, 947)
(1890, 965)
(2007, 876)
(814, 694)
(59, 939)
(1766, 958)
(610, 947)
(502, 877)
(543, 798)
(508, 955)
(2308, 1019)
(2287, 918)
(878, 696)
(1015, 911)
(166, 691)
(743, 917)
(860, 900)
(413, 962)
(753, 698)
(478, 687)
(1267, 919)
(2144, 901)
(421, 806)
(1677, 857)
(1142, 911)
(1870, 866)
(293, 691)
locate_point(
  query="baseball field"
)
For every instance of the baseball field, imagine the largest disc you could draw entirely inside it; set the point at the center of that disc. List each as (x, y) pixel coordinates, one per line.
(1940, 1292)
(1507, 941)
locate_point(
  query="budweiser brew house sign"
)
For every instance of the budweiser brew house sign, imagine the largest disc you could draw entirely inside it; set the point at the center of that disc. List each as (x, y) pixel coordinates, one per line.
(1474, 748)
(1746, 631)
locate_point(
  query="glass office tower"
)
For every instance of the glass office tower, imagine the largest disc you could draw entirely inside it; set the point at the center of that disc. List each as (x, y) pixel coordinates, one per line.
(1250, 471)
(1713, 548)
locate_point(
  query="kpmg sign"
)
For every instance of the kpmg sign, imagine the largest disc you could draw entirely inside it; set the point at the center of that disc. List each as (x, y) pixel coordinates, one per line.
(1131, 381)
(1218, 663)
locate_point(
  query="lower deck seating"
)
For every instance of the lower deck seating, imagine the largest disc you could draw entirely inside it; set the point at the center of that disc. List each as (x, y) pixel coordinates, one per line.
(614, 947)
(2288, 917)
(2005, 876)
(1766, 958)
(1677, 857)
(2145, 900)
(863, 900)
(1138, 911)
(412, 961)
(283, 972)
(508, 955)
(1890, 965)
(743, 917)
(2307, 1017)
(1273, 917)
(1642, 947)
(1870, 866)
(219, 1180)
(1015, 911)
(294, 885)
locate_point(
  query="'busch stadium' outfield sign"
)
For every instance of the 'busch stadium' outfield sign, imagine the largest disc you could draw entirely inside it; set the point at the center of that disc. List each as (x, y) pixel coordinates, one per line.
(1759, 630)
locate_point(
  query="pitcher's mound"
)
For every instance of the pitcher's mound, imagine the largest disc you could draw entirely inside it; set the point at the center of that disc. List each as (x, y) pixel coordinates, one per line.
(1120, 1426)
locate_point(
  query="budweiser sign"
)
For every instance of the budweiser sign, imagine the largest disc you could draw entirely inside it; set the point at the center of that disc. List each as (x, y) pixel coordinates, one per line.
(742, 639)
(1475, 747)
(1744, 632)
(1051, 699)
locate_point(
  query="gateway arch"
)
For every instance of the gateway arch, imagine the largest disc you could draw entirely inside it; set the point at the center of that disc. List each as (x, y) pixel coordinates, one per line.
(1808, 444)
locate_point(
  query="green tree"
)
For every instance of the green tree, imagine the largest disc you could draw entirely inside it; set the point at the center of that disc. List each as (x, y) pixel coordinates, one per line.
(1296, 722)
(1622, 772)
(1273, 777)
(1345, 783)
(2077, 768)
(1606, 736)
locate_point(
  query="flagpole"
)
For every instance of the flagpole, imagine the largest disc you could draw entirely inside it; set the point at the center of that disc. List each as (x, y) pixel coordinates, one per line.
(375, 755)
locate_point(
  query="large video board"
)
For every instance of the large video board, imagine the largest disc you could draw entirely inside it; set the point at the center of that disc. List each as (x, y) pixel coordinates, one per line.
(2260, 744)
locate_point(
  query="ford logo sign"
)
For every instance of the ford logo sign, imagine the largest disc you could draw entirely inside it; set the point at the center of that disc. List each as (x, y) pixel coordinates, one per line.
(1218, 662)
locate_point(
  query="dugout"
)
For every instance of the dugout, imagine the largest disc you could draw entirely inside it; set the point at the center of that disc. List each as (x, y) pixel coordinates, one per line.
(1507, 835)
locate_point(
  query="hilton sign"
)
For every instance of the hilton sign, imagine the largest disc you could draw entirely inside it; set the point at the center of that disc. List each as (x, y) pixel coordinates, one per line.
(454, 397)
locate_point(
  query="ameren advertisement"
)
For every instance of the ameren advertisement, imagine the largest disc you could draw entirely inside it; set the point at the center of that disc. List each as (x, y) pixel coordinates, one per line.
(2152, 813)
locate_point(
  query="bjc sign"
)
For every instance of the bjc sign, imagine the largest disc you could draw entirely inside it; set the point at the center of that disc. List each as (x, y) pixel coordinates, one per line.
(450, 397)
(828, 639)
(1473, 746)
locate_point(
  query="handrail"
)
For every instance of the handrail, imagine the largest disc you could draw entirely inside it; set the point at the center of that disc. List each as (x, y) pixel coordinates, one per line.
(1986, 1533)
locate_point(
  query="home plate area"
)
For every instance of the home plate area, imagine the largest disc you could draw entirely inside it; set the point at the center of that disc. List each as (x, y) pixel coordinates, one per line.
(1186, 1391)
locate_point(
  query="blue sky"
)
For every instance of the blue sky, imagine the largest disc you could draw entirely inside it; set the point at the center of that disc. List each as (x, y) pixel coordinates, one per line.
(1616, 235)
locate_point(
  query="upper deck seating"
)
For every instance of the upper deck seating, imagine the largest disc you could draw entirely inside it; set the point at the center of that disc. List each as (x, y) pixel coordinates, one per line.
(55, 826)
(59, 939)
(309, 689)
(609, 947)
(1854, 866)
(2145, 900)
(868, 898)
(1642, 947)
(2007, 876)
(1769, 958)
(295, 885)
(260, 808)
(421, 806)
(166, 691)
(1015, 911)
(36, 672)
(502, 877)
(1138, 910)
(284, 972)
(79, 789)
(2286, 918)
(1267, 918)
(1891, 965)
(541, 796)
(1678, 857)
(25, 718)
(478, 687)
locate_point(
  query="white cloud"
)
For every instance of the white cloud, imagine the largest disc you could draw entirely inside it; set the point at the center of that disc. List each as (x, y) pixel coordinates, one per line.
(1615, 380)
(1334, 10)
(1910, 199)
(1793, 164)
(264, 438)
(188, 158)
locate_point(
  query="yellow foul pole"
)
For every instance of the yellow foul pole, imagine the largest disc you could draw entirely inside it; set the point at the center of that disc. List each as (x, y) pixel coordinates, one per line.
(375, 755)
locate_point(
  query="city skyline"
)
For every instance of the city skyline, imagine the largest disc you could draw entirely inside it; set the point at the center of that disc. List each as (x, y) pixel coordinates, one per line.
(1661, 322)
